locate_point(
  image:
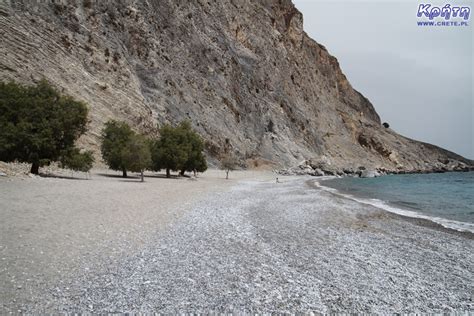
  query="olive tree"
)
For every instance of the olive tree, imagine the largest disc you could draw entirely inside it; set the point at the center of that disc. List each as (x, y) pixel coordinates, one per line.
(38, 124)
(136, 155)
(170, 151)
(115, 137)
(180, 149)
(196, 161)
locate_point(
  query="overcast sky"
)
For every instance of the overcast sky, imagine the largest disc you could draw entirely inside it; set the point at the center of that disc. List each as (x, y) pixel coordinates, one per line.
(418, 78)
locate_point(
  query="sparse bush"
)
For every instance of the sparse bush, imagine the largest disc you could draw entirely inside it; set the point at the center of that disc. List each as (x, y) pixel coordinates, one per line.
(228, 163)
(38, 124)
(88, 4)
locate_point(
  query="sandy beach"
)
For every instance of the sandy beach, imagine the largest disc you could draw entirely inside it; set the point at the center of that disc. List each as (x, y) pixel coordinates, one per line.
(210, 245)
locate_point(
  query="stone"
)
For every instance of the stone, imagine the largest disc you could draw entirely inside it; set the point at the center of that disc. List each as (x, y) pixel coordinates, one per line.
(318, 172)
(369, 174)
(308, 170)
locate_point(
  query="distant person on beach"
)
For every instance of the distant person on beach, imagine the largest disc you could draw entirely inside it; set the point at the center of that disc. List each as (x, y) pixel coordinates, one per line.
(277, 181)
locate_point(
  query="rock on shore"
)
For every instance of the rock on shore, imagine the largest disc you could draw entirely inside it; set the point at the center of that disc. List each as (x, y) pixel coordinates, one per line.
(321, 168)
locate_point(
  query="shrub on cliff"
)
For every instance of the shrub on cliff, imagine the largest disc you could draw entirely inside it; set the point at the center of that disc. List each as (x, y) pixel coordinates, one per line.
(38, 124)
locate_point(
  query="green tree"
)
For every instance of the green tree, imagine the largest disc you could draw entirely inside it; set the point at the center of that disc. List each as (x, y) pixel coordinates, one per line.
(170, 152)
(200, 164)
(37, 124)
(228, 163)
(196, 161)
(76, 160)
(136, 155)
(115, 137)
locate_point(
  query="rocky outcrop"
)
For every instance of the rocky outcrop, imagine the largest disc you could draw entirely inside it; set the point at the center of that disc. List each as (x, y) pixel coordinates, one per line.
(320, 169)
(244, 72)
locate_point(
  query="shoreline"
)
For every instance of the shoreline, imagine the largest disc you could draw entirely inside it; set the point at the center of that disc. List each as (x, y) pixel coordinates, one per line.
(416, 218)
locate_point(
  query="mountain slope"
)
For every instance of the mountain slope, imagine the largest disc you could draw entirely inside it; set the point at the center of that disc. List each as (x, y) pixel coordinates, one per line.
(244, 72)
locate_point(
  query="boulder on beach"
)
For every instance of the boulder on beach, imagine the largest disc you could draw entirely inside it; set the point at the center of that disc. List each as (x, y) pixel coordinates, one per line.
(318, 172)
(369, 174)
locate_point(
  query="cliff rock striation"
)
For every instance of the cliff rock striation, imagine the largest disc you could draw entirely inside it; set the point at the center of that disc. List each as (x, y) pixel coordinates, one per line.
(243, 71)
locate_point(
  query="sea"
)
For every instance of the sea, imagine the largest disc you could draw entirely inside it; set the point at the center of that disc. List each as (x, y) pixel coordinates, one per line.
(444, 198)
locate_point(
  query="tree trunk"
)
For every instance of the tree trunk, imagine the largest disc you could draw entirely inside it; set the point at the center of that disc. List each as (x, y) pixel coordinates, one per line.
(35, 168)
(168, 174)
(124, 173)
(227, 175)
(143, 180)
(182, 172)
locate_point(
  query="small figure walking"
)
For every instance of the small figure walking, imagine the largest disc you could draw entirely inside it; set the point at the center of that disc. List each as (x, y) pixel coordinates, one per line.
(277, 181)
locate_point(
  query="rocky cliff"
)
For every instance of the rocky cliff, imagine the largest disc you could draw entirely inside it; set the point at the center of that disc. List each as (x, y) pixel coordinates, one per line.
(243, 71)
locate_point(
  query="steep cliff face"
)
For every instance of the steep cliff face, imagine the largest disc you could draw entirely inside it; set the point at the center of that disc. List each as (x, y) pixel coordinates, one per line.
(243, 71)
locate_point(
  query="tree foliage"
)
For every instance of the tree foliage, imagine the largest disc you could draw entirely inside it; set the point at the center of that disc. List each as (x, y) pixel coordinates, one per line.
(136, 155)
(196, 161)
(37, 123)
(178, 149)
(76, 160)
(123, 149)
(115, 137)
(170, 152)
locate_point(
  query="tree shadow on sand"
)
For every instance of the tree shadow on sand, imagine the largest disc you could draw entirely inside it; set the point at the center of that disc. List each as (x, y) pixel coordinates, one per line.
(108, 175)
(163, 176)
(132, 180)
(151, 176)
(55, 176)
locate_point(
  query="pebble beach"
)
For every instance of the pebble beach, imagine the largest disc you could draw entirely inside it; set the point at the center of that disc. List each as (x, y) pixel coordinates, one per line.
(247, 245)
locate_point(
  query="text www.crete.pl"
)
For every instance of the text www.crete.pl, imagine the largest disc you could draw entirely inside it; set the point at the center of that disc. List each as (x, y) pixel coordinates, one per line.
(441, 23)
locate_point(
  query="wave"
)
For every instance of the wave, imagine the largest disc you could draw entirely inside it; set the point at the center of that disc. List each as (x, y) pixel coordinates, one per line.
(410, 205)
(447, 223)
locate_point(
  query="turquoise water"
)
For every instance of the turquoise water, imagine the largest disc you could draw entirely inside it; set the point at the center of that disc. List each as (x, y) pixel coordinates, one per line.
(447, 198)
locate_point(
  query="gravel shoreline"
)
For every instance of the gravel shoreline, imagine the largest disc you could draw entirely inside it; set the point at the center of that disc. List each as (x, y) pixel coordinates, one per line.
(415, 220)
(267, 247)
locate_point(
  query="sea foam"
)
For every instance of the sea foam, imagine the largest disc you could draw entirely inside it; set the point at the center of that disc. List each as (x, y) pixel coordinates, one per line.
(447, 223)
